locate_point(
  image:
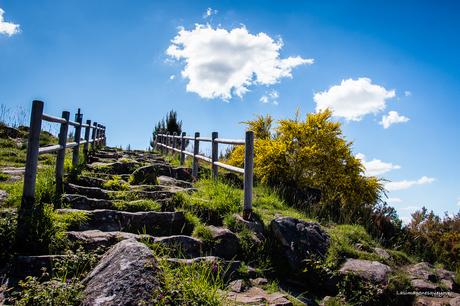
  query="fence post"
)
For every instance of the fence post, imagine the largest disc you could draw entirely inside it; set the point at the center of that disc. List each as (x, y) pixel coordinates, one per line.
(174, 142)
(85, 147)
(168, 142)
(104, 138)
(248, 174)
(77, 136)
(214, 155)
(61, 155)
(93, 145)
(196, 151)
(182, 148)
(28, 195)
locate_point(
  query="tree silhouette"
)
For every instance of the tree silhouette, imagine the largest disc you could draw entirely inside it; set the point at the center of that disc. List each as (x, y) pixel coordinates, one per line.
(169, 124)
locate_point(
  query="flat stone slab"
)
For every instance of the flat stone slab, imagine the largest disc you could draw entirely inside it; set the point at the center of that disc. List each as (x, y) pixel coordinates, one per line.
(258, 296)
(77, 201)
(169, 181)
(127, 274)
(152, 223)
(91, 192)
(372, 271)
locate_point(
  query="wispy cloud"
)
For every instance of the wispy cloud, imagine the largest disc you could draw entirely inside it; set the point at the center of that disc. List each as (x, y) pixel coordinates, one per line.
(405, 184)
(458, 201)
(172, 77)
(220, 63)
(353, 99)
(392, 118)
(270, 96)
(407, 93)
(209, 12)
(7, 28)
(376, 166)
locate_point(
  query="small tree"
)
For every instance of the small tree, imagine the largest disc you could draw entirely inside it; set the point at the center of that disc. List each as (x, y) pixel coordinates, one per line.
(168, 124)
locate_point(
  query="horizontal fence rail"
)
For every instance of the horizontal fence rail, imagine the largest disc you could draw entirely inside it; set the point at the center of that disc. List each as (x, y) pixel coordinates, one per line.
(94, 135)
(177, 143)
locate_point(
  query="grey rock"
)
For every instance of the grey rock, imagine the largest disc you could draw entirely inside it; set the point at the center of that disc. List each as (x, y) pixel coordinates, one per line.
(145, 175)
(372, 271)
(252, 225)
(127, 274)
(258, 296)
(89, 181)
(425, 277)
(298, 240)
(382, 253)
(169, 181)
(3, 196)
(91, 192)
(260, 281)
(114, 168)
(238, 285)
(186, 245)
(94, 239)
(182, 173)
(77, 201)
(152, 223)
(225, 243)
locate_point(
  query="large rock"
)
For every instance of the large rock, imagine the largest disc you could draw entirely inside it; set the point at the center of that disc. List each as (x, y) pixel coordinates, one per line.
(298, 240)
(225, 243)
(372, 271)
(127, 274)
(184, 245)
(254, 226)
(153, 223)
(169, 181)
(182, 173)
(145, 175)
(425, 277)
(89, 181)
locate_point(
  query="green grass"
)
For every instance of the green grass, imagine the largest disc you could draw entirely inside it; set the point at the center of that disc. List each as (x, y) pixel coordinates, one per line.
(343, 244)
(116, 183)
(137, 205)
(212, 201)
(268, 206)
(195, 284)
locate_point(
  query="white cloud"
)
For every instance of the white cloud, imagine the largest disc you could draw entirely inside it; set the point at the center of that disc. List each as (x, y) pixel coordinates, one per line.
(172, 77)
(392, 118)
(376, 166)
(405, 184)
(7, 28)
(221, 63)
(458, 201)
(209, 12)
(271, 96)
(407, 93)
(393, 200)
(353, 99)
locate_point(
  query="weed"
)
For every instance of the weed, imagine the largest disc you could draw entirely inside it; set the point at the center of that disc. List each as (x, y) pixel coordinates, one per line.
(116, 183)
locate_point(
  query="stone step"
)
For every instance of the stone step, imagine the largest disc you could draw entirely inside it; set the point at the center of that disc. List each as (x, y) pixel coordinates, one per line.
(114, 168)
(77, 201)
(90, 240)
(152, 223)
(91, 192)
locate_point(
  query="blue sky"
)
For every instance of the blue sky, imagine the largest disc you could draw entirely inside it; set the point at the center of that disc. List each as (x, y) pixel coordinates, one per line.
(370, 58)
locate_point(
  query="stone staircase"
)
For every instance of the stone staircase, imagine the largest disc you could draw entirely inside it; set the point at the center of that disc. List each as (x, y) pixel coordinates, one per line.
(145, 176)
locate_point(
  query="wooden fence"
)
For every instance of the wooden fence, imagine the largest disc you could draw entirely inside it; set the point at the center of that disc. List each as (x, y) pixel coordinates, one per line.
(96, 139)
(177, 143)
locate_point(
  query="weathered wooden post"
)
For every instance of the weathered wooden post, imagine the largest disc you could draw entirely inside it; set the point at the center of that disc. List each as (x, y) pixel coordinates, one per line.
(23, 229)
(93, 145)
(182, 148)
(214, 155)
(168, 142)
(174, 142)
(28, 195)
(196, 151)
(248, 174)
(61, 154)
(77, 136)
(104, 138)
(87, 134)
